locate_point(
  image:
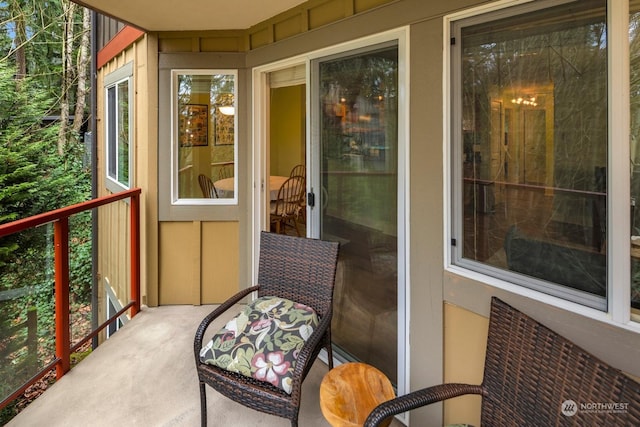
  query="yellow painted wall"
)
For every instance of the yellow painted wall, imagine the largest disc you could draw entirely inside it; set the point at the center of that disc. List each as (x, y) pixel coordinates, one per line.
(220, 260)
(113, 220)
(198, 262)
(287, 140)
(465, 345)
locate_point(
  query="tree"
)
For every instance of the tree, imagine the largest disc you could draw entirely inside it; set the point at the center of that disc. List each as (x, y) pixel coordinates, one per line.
(84, 58)
(43, 72)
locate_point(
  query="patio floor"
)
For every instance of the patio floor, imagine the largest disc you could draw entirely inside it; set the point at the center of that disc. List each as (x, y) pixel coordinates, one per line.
(145, 376)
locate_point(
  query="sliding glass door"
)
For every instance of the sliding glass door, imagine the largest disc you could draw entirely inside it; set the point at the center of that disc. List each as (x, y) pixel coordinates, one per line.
(356, 196)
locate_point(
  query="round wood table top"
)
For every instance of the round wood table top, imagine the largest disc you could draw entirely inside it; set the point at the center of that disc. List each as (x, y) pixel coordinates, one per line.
(225, 186)
(349, 392)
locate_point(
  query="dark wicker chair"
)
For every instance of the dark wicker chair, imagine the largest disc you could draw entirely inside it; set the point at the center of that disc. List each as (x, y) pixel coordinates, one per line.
(531, 376)
(301, 270)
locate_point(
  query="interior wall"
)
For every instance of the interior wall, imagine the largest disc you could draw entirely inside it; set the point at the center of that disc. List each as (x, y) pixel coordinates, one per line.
(287, 127)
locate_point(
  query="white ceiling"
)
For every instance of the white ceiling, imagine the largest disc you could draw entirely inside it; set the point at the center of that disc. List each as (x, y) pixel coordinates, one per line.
(185, 15)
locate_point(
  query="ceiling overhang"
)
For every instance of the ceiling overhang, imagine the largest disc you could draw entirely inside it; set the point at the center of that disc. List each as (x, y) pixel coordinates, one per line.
(191, 15)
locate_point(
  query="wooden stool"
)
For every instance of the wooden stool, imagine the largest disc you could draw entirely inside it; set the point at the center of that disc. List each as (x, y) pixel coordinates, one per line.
(349, 392)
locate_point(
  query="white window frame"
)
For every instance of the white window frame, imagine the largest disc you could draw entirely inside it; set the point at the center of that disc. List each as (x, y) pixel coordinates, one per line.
(617, 311)
(175, 199)
(112, 80)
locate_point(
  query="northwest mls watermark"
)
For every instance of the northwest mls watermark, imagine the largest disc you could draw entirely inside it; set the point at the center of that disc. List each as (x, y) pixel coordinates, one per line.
(570, 408)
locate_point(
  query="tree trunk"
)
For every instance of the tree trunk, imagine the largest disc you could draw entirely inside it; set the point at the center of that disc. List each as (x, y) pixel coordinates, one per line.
(82, 72)
(20, 41)
(67, 72)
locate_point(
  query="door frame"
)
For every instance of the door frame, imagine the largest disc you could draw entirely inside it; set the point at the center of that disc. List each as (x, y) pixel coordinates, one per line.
(260, 168)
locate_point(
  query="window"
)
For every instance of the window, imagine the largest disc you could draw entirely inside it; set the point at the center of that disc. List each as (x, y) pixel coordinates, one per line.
(204, 137)
(118, 88)
(531, 129)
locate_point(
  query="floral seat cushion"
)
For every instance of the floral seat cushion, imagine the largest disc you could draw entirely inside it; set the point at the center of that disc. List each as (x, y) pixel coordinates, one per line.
(263, 341)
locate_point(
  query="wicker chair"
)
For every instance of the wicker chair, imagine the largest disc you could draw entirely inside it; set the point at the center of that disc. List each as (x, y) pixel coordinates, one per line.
(207, 187)
(299, 269)
(531, 376)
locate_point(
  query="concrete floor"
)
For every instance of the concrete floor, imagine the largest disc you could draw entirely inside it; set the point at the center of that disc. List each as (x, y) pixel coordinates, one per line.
(145, 376)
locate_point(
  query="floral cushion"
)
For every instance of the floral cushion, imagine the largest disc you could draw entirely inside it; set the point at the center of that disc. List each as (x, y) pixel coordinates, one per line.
(263, 341)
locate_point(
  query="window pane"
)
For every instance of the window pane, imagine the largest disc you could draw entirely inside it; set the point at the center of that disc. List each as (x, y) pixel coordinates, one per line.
(358, 97)
(206, 135)
(534, 156)
(123, 133)
(112, 168)
(634, 50)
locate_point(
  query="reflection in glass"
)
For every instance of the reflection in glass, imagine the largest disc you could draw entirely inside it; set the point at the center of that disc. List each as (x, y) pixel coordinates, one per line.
(206, 135)
(534, 128)
(118, 132)
(634, 58)
(359, 173)
(123, 133)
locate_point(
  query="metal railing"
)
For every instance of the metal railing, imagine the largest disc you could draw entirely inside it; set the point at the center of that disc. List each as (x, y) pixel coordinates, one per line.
(60, 220)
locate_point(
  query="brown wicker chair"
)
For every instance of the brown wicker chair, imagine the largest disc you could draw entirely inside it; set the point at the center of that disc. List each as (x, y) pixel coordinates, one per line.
(301, 270)
(531, 376)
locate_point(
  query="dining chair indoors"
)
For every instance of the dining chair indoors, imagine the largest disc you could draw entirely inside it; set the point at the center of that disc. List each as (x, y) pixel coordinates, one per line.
(207, 187)
(243, 361)
(286, 208)
(301, 170)
(226, 171)
(298, 170)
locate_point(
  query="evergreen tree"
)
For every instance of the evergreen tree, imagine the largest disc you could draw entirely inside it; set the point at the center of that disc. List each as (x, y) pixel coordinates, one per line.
(41, 169)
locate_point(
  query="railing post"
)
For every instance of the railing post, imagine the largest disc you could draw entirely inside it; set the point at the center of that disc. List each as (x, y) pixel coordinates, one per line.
(135, 253)
(63, 341)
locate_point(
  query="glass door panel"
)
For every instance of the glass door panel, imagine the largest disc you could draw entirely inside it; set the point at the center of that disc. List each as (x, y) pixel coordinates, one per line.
(634, 102)
(358, 201)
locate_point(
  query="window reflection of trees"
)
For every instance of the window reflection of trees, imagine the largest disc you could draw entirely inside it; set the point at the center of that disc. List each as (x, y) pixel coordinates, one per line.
(634, 87)
(534, 105)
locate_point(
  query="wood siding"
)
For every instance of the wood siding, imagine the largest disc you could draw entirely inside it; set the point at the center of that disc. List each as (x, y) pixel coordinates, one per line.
(106, 29)
(308, 16)
(113, 220)
(199, 262)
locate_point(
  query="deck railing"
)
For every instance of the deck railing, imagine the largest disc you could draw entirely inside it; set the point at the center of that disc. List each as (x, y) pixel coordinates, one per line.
(60, 220)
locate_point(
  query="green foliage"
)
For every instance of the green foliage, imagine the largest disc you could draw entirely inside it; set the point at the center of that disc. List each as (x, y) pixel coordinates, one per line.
(36, 178)
(44, 25)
